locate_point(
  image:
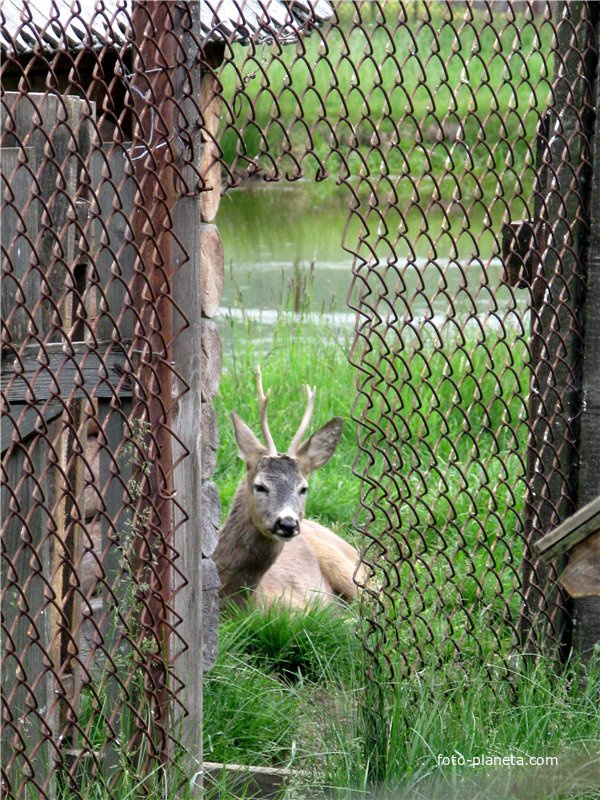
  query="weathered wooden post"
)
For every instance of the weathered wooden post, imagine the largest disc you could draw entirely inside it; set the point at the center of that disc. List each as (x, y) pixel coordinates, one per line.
(587, 609)
(197, 288)
(177, 110)
(557, 286)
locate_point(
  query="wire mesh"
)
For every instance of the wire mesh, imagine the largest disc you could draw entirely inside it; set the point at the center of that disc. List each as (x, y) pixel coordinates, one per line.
(96, 105)
(459, 133)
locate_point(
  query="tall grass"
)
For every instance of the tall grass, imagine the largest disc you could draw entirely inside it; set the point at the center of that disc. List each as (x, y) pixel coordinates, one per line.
(460, 685)
(291, 689)
(442, 452)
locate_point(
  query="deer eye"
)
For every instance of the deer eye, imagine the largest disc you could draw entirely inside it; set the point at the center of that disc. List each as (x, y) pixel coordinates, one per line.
(304, 490)
(260, 488)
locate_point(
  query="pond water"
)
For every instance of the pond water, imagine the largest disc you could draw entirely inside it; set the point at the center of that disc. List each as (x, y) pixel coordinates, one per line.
(283, 249)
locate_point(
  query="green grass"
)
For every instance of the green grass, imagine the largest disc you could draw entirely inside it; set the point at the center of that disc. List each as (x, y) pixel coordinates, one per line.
(452, 459)
(270, 661)
(312, 718)
(299, 690)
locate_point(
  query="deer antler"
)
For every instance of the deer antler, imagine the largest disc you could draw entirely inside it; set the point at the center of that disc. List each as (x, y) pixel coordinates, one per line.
(310, 396)
(263, 400)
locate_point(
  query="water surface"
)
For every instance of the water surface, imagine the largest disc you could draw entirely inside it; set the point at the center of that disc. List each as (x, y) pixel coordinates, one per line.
(293, 246)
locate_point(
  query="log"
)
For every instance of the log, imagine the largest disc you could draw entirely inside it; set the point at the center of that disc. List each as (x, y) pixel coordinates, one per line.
(210, 440)
(212, 359)
(210, 165)
(210, 520)
(212, 266)
(581, 578)
(210, 612)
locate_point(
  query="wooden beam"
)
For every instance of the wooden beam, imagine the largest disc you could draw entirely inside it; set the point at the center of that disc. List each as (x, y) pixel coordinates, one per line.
(25, 421)
(66, 371)
(581, 578)
(587, 609)
(569, 533)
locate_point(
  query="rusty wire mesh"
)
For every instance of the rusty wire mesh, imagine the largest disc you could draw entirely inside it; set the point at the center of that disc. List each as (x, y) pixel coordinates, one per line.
(96, 103)
(459, 133)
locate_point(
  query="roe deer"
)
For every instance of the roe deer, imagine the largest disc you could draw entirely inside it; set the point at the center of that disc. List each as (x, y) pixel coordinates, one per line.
(265, 545)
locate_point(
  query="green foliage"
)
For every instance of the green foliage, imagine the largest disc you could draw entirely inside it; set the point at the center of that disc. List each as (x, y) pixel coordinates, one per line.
(520, 708)
(285, 692)
(314, 646)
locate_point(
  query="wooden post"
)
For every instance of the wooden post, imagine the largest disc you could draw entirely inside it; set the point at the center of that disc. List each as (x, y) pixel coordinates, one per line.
(187, 356)
(587, 609)
(556, 296)
(156, 54)
(197, 288)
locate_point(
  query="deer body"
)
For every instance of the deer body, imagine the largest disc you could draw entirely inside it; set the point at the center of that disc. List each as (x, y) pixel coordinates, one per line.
(265, 545)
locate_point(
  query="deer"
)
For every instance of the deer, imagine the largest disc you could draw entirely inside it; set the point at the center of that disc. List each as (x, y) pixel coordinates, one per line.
(267, 551)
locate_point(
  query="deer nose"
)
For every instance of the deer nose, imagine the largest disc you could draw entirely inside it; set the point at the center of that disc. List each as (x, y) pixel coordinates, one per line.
(287, 527)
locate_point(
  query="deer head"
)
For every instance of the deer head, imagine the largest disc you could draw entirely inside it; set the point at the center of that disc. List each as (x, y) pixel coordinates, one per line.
(276, 483)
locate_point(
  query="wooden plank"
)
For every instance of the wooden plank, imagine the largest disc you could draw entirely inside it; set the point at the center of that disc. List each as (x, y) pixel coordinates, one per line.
(581, 578)
(261, 783)
(20, 283)
(66, 553)
(570, 532)
(40, 119)
(23, 421)
(71, 371)
(27, 689)
(116, 471)
(110, 303)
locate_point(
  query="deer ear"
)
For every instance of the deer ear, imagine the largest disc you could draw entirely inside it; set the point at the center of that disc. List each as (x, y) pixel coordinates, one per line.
(317, 450)
(249, 447)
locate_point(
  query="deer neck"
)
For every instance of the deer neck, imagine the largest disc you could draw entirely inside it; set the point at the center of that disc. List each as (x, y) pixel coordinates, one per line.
(243, 554)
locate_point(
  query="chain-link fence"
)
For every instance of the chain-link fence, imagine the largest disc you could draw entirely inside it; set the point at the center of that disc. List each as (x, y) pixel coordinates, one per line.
(99, 116)
(460, 136)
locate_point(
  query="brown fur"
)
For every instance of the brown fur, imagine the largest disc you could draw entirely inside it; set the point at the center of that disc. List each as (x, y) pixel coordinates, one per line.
(266, 546)
(315, 566)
